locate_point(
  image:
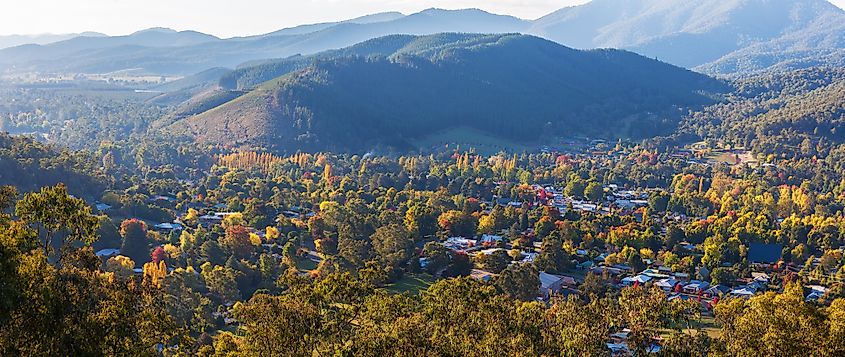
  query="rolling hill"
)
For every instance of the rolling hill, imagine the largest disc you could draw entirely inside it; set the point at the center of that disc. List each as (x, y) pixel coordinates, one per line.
(712, 36)
(166, 52)
(398, 89)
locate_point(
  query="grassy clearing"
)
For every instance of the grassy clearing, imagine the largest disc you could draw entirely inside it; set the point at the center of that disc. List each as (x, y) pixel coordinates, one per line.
(305, 264)
(411, 284)
(733, 157)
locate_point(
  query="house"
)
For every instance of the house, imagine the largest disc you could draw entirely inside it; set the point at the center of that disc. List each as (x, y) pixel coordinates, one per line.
(695, 287)
(585, 265)
(769, 254)
(102, 207)
(816, 292)
(654, 274)
(214, 218)
(636, 280)
(459, 243)
(106, 253)
(528, 257)
(761, 277)
(481, 275)
(489, 239)
(743, 291)
(716, 291)
(550, 284)
(167, 227)
(667, 284)
(489, 251)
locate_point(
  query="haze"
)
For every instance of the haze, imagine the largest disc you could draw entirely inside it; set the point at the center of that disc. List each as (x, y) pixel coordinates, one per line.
(227, 18)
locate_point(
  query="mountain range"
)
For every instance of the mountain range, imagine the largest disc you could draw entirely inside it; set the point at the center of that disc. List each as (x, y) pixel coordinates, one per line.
(42, 39)
(402, 91)
(712, 36)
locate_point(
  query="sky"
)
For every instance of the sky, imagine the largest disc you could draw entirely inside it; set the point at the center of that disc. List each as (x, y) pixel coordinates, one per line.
(226, 18)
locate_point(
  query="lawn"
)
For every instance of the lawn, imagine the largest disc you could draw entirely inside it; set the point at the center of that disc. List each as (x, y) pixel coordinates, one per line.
(707, 324)
(305, 264)
(411, 283)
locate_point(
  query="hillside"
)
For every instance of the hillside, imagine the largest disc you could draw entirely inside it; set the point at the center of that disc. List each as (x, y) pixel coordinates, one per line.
(162, 51)
(29, 165)
(7, 41)
(798, 113)
(514, 87)
(694, 33)
(712, 36)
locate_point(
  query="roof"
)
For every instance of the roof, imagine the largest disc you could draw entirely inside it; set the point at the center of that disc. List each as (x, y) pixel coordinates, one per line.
(547, 280)
(108, 252)
(764, 253)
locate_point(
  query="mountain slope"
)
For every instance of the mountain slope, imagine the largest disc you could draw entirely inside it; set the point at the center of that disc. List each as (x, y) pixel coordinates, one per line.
(17, 40)
(186, 53)
(688, 33)
(514, 87)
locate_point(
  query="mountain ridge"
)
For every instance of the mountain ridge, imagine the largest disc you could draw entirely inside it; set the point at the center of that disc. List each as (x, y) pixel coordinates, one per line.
(483, 82)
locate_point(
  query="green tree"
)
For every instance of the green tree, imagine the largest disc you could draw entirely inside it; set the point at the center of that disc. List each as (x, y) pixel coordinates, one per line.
(135, 246)
(519, 281)
(594, 191)
(552, 259)
(55, 213)
(495, 262)
(393, 244)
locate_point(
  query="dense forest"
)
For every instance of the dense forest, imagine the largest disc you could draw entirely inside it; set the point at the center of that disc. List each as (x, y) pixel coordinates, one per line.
(411, 87)
(324, 254)
(724, 237)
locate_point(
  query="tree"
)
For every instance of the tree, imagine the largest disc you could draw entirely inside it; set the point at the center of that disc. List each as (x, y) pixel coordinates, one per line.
(519, 281)
(237, 241)
(393, 244)
(458, 224)
(575, 187)
(121, 266)
(221, 282)
(134, 233)
(459, 264)
(594, 191)
(552, 258)
(496, 261)
(421, 220)
(53, 212)
(658, 201)
(437, 255)
(779, 324)
(279, 325)
(158, 254)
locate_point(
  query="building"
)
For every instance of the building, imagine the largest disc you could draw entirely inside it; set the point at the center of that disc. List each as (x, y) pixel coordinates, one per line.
(550, 284)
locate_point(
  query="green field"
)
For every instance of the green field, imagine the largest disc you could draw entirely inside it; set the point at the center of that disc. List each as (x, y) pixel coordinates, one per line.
(304, 264)
(411, 284)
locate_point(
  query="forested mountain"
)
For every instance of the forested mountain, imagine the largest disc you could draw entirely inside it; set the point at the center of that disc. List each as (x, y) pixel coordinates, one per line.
(513, 87)
(186, 52)
(104, 54)
(716, 36)
(694, 33)
(796, 114)
(7, 41)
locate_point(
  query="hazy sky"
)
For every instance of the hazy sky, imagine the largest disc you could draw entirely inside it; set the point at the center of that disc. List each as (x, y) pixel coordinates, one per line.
(225, 17)
(228, 18)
